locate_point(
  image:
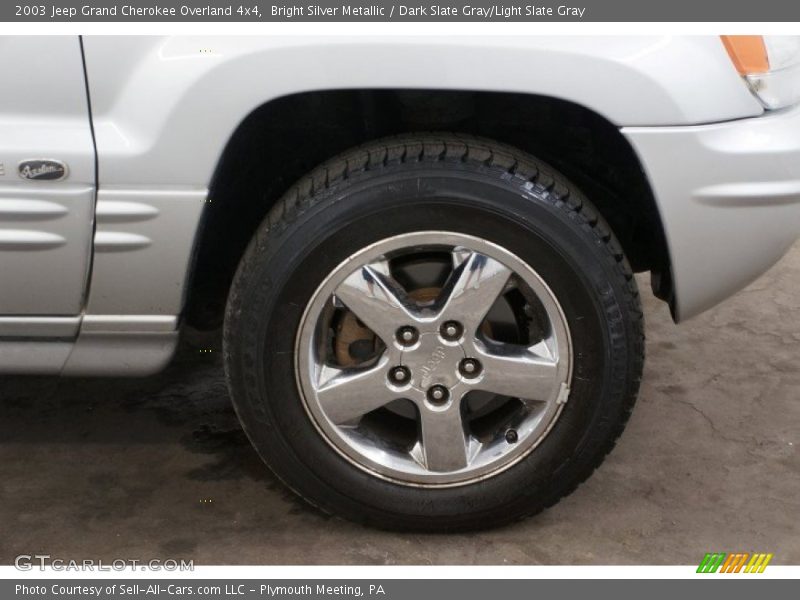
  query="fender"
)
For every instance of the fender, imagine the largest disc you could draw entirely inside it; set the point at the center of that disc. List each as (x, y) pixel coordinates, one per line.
(165, 107)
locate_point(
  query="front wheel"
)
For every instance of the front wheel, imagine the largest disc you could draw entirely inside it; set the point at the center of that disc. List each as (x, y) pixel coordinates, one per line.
(433, 332)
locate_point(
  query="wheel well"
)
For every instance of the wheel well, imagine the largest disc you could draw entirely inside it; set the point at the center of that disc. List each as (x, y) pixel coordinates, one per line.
(285, 138)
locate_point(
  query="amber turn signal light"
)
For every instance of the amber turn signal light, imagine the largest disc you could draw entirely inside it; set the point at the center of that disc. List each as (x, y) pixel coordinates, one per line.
(748, 53)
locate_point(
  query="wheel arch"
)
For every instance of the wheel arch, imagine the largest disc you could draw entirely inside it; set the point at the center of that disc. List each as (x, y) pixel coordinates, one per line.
(283, 139)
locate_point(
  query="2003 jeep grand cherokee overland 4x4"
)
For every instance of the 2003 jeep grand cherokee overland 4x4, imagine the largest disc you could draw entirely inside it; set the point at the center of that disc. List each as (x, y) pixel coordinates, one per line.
(422, 249)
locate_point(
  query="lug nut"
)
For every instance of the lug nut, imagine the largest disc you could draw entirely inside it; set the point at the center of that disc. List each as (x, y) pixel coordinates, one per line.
(511, 436)
(407, 336)
(399, 375)
(469, 368)
(451, 330)
(438, 394)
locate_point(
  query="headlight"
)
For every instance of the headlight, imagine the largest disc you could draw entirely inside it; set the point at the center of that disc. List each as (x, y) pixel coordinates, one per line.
(770, 64)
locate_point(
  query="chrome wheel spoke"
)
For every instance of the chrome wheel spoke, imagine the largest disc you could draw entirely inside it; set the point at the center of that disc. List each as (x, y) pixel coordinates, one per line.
(346, 396)
(444, 443)
(520, 374)
(377, 300)
(473, 287)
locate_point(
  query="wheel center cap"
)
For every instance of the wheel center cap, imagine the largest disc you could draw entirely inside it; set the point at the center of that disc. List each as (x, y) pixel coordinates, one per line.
(433, 362)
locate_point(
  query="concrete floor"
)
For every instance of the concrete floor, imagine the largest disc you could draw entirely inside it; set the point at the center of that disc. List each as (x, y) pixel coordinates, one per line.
(158, 467)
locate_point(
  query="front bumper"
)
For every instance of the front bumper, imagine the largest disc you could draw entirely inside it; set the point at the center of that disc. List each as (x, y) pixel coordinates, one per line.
(729, 198)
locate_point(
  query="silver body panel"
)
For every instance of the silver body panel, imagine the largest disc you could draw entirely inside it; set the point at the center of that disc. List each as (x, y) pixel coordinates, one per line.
(729, 198)
(45, 226)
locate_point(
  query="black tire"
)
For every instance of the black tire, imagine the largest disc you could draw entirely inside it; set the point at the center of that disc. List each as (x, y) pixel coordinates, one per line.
(431, 181)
